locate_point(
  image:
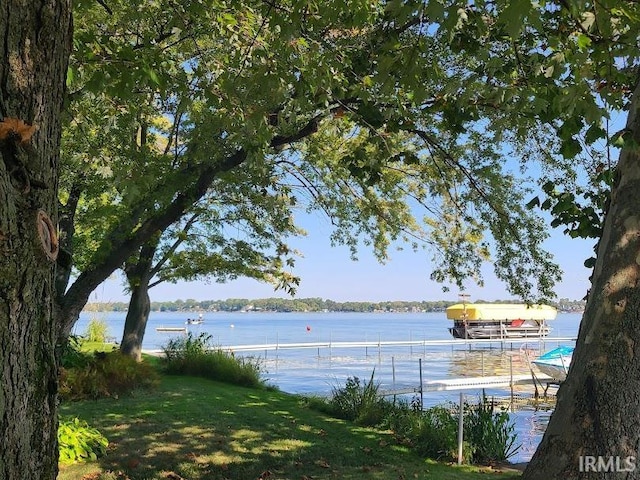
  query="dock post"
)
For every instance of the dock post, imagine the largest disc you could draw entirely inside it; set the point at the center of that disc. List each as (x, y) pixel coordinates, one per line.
(421, 391)
(393, 377)
(511, 381)
(460, 428)
(330, 346)
(410, 342)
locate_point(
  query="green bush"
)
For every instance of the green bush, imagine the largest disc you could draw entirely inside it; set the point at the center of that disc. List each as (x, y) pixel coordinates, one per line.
(490, 432)
(190, 355)
(96, 331)
(432, 432)
(359, 402)
(488, 435)
(106, 375)
(71, 355)
(78, 441)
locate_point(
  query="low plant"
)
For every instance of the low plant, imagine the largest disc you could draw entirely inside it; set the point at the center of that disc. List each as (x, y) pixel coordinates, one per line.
(491, 432)
(488, 434)
(78, 441)
(359, 402)
(432, 432)
(71, 354)
(97, 331)
(194, 355)
(108, 374)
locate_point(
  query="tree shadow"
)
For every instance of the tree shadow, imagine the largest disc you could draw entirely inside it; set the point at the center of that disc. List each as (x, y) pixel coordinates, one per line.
(197, 429)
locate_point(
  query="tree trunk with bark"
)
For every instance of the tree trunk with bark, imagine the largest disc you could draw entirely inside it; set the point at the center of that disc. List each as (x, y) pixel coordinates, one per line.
(139, 273)
(594, 431)
(136, 322)
(35, 41)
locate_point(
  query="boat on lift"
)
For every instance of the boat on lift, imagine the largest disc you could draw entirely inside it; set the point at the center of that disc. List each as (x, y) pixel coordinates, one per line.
(555, 363)
(500, 320)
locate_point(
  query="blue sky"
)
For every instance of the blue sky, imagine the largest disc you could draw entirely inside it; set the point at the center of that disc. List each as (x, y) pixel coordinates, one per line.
(328, 272)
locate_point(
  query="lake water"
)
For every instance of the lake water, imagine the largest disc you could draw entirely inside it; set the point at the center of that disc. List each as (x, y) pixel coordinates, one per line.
(318, 371)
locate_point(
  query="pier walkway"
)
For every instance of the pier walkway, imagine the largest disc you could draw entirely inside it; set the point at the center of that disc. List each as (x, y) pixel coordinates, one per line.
(394, 343)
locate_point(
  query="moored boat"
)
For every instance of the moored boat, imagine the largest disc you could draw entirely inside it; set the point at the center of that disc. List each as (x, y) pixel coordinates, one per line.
(195, 321)
(555, 363)
(500, 320)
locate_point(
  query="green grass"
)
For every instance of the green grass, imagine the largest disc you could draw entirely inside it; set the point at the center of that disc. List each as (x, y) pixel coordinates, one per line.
(197, 429)
(89, 347)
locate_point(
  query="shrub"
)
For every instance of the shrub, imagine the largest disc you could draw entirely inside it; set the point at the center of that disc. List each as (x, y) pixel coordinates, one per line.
(491, 432)
(106, 375)
(96, 331)
(78, 441)
(488, 435)
(190, 355)
(71, 355)
(359, 402)
(432, 432)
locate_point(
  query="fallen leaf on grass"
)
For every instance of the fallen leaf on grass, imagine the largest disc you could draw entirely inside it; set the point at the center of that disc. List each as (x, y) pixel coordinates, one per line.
(91, 476)
(173, 476)
(322, 463)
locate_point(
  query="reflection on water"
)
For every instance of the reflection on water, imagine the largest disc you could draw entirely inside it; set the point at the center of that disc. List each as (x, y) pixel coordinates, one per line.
(476, 363)
(530, 427)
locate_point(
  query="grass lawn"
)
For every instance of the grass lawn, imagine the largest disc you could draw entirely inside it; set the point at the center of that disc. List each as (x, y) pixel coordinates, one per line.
(197, 429)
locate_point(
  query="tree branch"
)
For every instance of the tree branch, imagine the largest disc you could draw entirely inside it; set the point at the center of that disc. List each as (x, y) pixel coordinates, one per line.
(123, 241)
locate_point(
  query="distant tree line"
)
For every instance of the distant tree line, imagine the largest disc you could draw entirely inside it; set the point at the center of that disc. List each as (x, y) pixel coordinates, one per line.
(305, 305)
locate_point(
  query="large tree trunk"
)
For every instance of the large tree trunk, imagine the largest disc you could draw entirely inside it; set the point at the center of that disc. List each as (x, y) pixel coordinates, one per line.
(35, 40)
(136, 321)
(139, 272)
(595, 429)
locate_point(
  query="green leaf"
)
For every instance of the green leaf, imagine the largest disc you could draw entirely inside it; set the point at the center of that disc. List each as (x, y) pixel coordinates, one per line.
(570, 148)
(514, 15)
(153, 76)
(584, 41)
(534, 202)
(594, 133)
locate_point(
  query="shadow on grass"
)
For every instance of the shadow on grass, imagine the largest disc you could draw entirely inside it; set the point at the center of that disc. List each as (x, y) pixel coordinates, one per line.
(196, 429)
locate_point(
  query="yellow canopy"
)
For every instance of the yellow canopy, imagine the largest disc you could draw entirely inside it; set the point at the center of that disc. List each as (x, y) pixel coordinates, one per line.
(500, 311)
